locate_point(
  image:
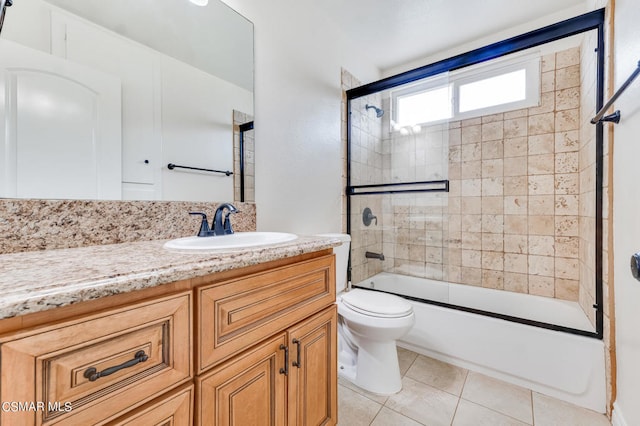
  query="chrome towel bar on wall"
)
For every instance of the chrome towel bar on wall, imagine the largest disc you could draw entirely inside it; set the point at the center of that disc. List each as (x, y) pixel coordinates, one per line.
(172, 166)
(615, 117)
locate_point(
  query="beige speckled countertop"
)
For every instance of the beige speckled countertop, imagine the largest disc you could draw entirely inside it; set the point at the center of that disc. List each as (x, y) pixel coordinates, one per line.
(39, 281)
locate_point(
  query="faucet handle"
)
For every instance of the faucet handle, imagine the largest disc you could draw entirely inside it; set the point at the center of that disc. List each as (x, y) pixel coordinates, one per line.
(227, 221)
(204, 231)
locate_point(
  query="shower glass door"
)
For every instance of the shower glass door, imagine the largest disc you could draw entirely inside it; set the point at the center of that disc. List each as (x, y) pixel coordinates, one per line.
(483, 181)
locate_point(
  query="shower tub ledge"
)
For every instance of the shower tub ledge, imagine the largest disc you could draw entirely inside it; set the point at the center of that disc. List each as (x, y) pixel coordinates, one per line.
(562, 365)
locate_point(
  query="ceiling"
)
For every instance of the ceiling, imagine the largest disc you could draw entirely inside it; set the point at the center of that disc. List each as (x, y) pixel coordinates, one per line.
(394, 32)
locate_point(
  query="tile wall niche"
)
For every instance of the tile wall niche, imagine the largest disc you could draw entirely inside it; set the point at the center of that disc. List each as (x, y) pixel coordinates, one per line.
(518, 216)
(31, 225)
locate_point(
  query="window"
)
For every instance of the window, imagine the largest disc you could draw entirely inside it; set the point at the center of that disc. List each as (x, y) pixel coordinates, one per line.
(426, 106)
(484, 89)
(498, 90)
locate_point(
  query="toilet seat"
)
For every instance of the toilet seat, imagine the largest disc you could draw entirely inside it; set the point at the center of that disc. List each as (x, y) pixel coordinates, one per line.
(377, 304)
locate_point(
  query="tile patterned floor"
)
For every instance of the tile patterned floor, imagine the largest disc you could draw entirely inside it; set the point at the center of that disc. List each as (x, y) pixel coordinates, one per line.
(435, 393)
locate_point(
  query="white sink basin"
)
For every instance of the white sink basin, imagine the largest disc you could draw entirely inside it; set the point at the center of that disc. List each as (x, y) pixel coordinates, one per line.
(232, 241)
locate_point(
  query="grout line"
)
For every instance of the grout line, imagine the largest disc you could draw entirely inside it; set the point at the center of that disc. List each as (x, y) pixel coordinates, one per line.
(456, 410)
(377, 414)
(533, 411)
(404, 415)
(496, 411)
(466, 377)
(464, 383)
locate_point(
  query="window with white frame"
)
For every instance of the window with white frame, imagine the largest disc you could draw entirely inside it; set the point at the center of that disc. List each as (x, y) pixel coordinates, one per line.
(426, 102)
(484, 89)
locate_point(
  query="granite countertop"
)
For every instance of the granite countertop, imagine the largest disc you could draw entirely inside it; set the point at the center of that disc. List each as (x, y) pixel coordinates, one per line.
(39, 281)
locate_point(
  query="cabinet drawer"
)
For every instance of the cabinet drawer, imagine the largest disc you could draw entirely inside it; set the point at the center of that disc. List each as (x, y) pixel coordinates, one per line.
(109, 362)
(175, 409)
(235, 314)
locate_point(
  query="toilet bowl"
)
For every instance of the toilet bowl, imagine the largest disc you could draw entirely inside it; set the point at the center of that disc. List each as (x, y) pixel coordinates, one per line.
(369, 324)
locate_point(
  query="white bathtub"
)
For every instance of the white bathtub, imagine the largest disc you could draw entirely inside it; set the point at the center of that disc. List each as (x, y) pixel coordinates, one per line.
(566, 366)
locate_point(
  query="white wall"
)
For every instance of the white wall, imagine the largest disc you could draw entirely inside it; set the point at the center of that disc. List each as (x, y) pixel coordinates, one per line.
(298, 56)
(626, 211)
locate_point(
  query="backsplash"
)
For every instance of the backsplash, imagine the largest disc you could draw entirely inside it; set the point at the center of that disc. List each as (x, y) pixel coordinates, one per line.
(31, 225)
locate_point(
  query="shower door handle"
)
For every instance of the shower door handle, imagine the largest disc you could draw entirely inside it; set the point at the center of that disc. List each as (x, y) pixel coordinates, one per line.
(297, 362)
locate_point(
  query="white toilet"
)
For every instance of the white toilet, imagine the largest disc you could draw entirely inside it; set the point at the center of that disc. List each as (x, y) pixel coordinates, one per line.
(369, 324)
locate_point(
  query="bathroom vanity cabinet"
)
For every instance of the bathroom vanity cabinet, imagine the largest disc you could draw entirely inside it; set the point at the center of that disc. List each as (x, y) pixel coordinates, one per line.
(294, 370)
(289, 378)
(255, 345)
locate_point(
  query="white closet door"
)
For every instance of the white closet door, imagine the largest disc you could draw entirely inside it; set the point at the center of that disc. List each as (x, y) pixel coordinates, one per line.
(60, 128)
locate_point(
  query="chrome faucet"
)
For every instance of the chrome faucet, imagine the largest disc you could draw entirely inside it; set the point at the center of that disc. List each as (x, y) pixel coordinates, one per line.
(223, 226)
(221, 223)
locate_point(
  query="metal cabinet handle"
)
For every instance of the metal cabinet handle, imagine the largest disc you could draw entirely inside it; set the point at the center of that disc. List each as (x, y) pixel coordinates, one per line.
(297, 362)
(285, 370)
(93, 374)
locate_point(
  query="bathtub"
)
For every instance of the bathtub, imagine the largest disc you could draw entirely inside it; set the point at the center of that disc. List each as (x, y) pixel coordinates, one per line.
(565, 366)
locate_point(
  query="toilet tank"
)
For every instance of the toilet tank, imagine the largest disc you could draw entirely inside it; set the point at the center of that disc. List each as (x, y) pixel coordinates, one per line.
(342, 259)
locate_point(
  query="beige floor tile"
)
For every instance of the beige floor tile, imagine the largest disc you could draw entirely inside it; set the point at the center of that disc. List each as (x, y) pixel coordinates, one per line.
(470, 414)
(497, 395)
(549, 411)
(405, 359)
(380, 399)
(355, 409)
(387, 417)
(428, 398)
(423, 403)
(438, 374)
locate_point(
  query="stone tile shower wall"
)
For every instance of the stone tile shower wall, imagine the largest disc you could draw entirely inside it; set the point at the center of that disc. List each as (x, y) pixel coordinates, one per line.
(366, 168)
(415, 223)
(510, 220)
(515, 192)
(515, 219)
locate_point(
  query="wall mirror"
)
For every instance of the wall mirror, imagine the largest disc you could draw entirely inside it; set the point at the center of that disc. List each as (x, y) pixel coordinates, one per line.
(97, 98)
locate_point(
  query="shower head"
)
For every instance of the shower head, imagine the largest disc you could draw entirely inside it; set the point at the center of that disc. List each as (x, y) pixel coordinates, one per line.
(379, 111)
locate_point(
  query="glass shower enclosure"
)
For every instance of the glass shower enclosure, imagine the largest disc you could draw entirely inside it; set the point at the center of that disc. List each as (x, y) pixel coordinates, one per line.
(479, 177)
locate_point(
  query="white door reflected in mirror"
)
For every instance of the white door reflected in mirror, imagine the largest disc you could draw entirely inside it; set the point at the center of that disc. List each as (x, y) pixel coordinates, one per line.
(75, 111)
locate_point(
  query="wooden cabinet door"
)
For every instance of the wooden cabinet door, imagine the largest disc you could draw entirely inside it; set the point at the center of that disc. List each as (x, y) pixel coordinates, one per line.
(313, 370)
(248, 390)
